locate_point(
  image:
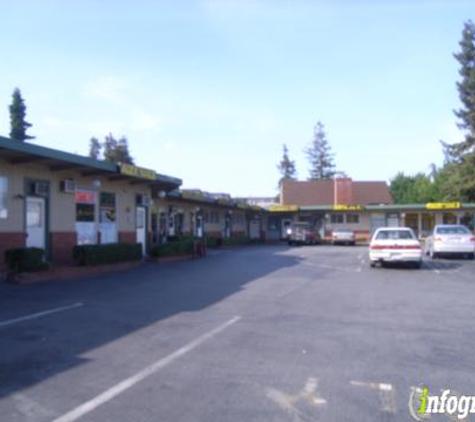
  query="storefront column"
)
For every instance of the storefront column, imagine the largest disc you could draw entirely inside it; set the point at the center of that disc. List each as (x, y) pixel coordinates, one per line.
(439, 218)
(419, 224)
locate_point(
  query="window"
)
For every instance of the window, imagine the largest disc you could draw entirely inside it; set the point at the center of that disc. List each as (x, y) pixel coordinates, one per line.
(337, 218)
(85, 213)
(453, 230)
(3, 197)
(214, 217)
(395, 235)
(107, 213)
(352, 218)
(238, 219)
(34, 215)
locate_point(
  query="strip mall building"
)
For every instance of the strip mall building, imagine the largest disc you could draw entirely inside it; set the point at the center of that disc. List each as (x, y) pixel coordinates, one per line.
(55, 200)
(359, 205)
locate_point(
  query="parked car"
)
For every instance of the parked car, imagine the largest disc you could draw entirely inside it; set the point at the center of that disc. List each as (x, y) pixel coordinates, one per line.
(395, 244)
(301, 233)
(450, 239)
(343, 237)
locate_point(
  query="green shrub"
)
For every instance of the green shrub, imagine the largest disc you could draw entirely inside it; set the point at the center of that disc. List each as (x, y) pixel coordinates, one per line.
(85, 255)
(26, 259)
(211, 242)
(236, 241)
(181, 246)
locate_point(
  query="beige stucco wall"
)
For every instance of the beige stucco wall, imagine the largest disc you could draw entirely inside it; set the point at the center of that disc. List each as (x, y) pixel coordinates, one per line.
(62, 205)
(239, 221)
(364, 223)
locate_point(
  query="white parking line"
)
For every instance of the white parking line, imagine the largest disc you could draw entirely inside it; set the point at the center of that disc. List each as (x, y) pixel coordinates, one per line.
(40, 314)
(124, 385)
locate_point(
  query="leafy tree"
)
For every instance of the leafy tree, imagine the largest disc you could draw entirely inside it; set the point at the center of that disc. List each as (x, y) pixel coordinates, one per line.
(117, 151)
(320, 156)
(417, 189)
(461, 155)
(18, 124)
(286, 167)
(94, 148)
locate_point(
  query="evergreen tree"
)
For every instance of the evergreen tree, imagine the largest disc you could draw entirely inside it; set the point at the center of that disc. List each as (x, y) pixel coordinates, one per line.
(18, 124)
(117, 151)
(462, 154)
(320, 156)
(94, 148)
(286, 167)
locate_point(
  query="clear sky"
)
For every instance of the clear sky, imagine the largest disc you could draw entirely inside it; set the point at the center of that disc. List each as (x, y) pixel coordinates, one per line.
(209, 90)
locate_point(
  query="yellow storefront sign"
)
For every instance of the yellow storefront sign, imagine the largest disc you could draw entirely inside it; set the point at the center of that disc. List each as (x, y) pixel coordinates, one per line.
(283, 208)
(443, 205)
(140, 172)
(347, 208)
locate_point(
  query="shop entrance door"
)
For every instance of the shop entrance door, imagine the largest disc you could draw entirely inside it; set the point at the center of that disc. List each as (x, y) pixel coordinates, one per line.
(141, 227)
(35, 222)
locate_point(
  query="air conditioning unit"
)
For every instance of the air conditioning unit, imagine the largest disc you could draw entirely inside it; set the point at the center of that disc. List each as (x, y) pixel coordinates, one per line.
(67, 186)
(40, 188)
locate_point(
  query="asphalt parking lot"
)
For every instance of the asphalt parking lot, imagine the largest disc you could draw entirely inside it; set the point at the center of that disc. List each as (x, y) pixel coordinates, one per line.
(262, 333)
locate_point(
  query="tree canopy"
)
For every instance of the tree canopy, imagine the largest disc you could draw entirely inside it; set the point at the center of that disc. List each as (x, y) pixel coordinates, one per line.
(460, 156)
(417, 189)
(112, 149)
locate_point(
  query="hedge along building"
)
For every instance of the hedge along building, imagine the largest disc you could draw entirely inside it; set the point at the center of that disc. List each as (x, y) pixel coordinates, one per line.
(197, 213)
(361, 206)
(56, 200)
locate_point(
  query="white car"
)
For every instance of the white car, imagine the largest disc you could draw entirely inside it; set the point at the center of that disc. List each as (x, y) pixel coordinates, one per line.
(395, 244)
(450, 239)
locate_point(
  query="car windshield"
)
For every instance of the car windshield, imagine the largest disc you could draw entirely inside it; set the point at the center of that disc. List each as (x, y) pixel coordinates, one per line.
(394, 235)
(452, 230)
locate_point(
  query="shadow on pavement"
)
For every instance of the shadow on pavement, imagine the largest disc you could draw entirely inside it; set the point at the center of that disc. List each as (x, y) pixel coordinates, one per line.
(115, 306)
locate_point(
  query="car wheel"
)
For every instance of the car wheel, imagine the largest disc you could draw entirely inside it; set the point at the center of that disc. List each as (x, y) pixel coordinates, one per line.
(471, 255)
(372, 264)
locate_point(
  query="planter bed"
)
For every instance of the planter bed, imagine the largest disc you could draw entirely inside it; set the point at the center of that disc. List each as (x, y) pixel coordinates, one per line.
(68, 273)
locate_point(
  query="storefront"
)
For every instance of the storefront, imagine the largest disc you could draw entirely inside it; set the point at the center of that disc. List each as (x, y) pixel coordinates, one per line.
(202, 214)
(55, 200)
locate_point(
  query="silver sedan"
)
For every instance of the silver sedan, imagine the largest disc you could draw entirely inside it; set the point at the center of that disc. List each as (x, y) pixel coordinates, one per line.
(343, 237)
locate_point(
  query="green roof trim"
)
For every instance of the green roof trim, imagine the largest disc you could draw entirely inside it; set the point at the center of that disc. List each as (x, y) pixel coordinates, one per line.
(390, 207)
(54, 154)
(75, 159)
(169, 179)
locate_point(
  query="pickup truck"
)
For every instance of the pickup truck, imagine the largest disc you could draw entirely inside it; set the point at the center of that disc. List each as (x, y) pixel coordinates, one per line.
(302, 234)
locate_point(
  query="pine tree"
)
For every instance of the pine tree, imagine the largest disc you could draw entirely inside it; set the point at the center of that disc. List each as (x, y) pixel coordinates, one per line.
(94, 148)
(320, 156)
(18, 124)
(286, 167)
(462, 154)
